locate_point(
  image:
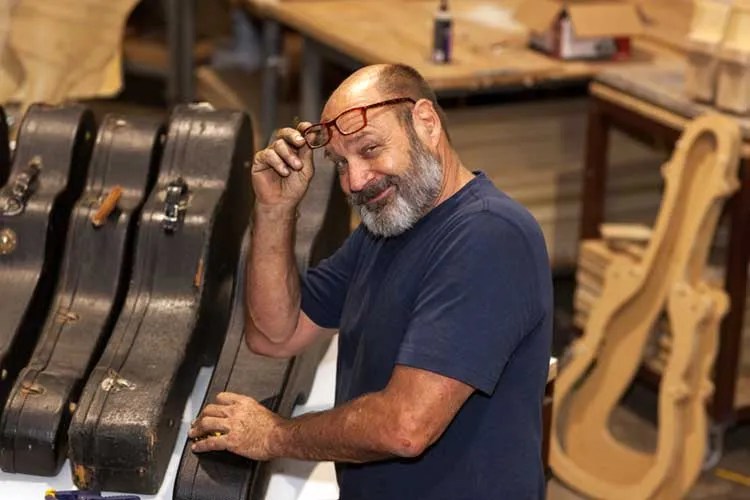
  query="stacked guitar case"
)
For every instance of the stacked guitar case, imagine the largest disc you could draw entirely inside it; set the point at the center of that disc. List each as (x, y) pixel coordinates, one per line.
(48, 173)
(4, 148)
(276, 383)
(93, 281)
(121, 274)
(177, 308)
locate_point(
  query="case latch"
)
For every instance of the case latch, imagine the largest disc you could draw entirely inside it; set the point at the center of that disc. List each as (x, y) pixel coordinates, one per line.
(175, 203)
(13, 200)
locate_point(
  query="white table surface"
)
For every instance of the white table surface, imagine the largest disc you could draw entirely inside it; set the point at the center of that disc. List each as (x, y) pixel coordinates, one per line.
(291, 479)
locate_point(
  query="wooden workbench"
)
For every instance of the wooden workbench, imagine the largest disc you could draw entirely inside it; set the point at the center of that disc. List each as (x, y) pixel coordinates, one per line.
(490, 51)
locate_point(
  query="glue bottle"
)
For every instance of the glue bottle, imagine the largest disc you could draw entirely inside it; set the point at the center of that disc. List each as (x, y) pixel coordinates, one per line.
(442, 34)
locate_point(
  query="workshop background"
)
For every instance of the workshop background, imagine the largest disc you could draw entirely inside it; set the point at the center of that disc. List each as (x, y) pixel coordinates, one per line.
(622, 125)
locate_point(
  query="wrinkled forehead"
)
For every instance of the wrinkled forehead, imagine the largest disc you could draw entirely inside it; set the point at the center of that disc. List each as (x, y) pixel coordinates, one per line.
(355, 94)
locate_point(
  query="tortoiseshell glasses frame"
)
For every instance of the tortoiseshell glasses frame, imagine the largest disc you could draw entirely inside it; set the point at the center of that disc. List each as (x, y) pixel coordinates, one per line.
(348, 122)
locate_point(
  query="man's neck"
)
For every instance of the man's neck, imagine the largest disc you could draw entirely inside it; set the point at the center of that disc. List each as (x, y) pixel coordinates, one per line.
(455, 175)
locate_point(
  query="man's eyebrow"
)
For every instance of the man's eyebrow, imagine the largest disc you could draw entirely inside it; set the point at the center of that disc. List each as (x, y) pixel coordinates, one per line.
(364, 134)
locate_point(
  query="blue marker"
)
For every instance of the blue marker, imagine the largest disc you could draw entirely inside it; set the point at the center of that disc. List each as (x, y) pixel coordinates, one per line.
(84, 495)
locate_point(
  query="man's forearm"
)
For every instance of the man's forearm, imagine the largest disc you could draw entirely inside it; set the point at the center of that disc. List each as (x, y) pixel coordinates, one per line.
(363, 430)
(273, 296)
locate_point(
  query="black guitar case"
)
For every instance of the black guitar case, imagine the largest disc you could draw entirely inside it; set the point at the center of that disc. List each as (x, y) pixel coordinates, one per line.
(177, 307)
(90, 292)
(49, 169)
(276, 383)
(4, 148)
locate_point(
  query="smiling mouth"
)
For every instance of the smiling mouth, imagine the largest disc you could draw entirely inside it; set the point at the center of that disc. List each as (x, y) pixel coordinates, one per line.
(380, 197)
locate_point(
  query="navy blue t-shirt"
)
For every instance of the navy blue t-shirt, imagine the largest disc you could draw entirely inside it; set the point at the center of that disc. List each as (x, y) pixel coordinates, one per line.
(465, 293)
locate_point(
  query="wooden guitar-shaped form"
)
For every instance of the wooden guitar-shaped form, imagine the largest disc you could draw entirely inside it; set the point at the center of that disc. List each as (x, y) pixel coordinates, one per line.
(583, 452)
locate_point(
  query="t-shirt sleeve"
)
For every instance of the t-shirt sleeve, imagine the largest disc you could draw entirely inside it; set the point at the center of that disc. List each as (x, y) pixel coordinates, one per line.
(477, 300)
(324, 286)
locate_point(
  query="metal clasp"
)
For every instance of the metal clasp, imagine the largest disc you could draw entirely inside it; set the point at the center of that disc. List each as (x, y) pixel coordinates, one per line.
(175, 203)
(19, 191)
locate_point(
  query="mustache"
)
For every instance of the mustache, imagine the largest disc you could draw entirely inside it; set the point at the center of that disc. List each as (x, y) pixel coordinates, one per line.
(372, 190)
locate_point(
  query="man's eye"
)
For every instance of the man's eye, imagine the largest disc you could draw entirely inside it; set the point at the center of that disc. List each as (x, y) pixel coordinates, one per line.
(368, 150)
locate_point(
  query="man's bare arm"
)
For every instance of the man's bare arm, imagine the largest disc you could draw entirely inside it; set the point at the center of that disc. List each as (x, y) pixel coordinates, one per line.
(281, 173)
(273, 292)
(402, 420)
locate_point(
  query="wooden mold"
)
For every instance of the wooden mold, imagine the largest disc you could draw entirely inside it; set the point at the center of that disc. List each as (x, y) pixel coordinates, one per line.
(733, 92)
(583, 452)
(699, 387)
(707, 27)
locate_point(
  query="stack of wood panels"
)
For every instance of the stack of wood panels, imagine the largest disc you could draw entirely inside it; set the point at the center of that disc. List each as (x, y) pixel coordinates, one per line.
(534, 152)
(595, 256)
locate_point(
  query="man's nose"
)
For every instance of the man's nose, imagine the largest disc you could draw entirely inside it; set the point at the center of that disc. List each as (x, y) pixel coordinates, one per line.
(359, 176)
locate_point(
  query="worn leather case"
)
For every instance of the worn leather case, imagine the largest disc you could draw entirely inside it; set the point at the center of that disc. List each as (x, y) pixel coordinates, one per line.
(93, 282)
(177, 308)
(276, 383)
(49, 170)
(4, 148)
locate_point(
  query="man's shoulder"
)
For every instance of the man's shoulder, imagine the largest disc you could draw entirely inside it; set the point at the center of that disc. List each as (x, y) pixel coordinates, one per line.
(490, 210)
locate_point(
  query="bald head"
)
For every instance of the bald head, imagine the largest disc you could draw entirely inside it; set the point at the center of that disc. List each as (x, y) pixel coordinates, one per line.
(379, 82)
(359, 89)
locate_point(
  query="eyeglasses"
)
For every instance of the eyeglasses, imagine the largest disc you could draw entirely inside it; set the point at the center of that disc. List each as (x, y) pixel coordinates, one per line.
(349, 122)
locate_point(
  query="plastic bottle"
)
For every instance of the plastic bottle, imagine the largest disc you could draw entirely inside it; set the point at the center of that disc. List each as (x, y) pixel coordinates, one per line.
(442, 34)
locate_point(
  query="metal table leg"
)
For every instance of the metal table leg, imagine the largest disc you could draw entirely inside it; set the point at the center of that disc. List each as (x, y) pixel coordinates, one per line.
(727, 359)
(271, 80)
(311, 85)
(180, 40)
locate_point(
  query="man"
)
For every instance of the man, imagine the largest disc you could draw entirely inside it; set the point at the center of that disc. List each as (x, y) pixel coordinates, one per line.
(442, 298)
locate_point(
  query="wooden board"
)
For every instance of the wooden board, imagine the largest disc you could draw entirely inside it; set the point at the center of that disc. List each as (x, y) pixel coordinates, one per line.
(662, 87)
(666, 21)
(490, 47)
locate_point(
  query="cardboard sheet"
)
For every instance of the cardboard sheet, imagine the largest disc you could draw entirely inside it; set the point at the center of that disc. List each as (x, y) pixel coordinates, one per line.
(66, 49)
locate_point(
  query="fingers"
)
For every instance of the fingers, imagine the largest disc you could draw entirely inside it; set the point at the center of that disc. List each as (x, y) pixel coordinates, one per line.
(301, 126)
(289, 135)
(214, 410)
(228, 398)
(268, 159)
(211, 443)
(305, 153)
(209, 425)
(288, 151)
(284, 151)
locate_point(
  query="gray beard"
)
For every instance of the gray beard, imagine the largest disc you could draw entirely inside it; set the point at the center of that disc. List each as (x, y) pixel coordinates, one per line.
(415, 193)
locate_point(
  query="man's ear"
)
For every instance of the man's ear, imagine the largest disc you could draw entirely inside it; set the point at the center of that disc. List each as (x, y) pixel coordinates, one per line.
(427, 122)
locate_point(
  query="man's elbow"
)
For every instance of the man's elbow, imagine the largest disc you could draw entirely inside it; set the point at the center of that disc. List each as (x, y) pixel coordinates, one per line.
(411, 438)
(259, 344)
